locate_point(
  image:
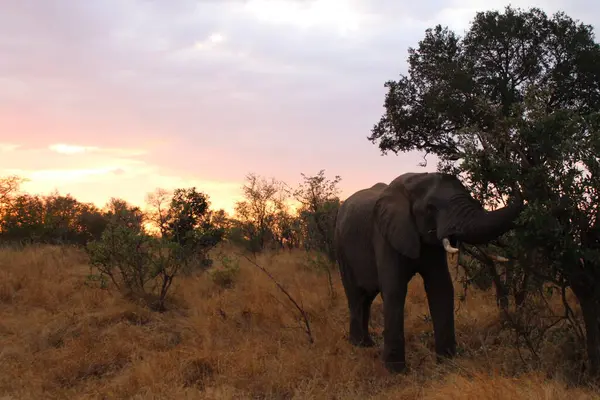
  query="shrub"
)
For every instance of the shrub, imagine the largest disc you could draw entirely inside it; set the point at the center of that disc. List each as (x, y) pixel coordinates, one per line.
(139, 264)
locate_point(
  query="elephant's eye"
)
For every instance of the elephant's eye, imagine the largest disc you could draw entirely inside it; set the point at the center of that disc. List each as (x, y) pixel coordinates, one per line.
(431, 213)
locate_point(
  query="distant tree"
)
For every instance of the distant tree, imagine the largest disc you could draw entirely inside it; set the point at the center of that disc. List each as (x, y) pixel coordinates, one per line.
(319, 201)
(184, 217)
(61, 218)
(158, 213)
(9, 187)
(23, 219)
(52, 219)
(91, 223)
(190, 220)
(515, 102)
(288, 229)
(220, 219)
(244, 234)
(120, 212)
(257, 213)
(187, 212)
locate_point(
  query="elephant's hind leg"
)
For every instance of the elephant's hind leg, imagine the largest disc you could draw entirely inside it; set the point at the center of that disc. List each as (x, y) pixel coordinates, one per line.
(360, 311)
(359, 304)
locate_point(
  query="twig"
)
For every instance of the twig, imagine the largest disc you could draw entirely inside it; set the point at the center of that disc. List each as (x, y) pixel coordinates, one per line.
(424, 162)
(287, 294)
(486, 260)
(520, 334)
(465, 284)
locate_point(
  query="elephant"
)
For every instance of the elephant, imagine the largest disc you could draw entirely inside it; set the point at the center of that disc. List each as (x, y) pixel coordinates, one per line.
(386, 234)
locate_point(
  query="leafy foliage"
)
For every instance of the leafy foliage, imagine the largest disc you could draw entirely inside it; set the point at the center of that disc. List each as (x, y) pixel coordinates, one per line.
(123, 255)
(145, 265)
(188, 220)
(51, 219)
(121, 213)
(138, 264)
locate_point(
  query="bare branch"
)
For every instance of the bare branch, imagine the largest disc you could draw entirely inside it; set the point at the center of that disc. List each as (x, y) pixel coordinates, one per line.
(303, 313)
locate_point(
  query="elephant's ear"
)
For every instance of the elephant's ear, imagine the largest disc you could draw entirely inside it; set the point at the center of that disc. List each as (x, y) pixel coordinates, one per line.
(395, 221)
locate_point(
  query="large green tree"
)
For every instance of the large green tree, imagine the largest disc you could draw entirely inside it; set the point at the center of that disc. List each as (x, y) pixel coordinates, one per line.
(515, 102)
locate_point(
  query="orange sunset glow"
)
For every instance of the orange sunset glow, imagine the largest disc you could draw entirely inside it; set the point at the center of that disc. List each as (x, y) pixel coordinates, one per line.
(115, 99)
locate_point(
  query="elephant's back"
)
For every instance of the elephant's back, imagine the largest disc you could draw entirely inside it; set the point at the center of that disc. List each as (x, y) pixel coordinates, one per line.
(356, 211)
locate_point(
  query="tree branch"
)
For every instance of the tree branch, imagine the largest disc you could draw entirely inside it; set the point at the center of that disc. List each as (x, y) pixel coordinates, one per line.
(303, 313)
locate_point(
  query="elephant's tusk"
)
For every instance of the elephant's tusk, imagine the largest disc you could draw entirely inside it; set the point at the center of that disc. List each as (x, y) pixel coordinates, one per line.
(448, 247)
(498, 258)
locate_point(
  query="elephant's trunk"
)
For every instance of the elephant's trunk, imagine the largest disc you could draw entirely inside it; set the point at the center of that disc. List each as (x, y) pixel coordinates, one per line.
(483, 226)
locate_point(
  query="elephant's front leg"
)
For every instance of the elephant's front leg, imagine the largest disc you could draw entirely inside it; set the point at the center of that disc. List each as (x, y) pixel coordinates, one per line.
(394, 271)
(440, 296)
(394, 297)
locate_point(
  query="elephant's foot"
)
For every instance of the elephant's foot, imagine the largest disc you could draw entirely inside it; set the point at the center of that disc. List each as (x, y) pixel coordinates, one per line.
(446, 352)
(363, 341)
(443, 357)
(394, 360)
(396, 367)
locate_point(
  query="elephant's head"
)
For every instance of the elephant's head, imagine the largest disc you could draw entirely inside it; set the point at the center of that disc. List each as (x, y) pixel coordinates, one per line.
(437, 209)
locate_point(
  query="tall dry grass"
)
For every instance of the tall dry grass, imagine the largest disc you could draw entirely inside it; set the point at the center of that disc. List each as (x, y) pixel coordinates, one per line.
(60, 338)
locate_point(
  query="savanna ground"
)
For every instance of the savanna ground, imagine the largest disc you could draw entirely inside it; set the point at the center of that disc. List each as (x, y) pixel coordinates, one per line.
(63, 338)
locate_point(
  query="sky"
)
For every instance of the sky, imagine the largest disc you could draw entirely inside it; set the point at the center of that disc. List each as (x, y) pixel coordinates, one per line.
(116, 98)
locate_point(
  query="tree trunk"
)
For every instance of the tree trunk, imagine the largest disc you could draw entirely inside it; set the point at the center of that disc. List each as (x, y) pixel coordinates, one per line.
(591, 318)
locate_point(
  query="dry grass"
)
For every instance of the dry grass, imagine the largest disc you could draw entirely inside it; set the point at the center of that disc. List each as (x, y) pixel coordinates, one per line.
(60, 338)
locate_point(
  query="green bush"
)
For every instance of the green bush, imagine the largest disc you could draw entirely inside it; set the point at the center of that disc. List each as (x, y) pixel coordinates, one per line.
(139, 264)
